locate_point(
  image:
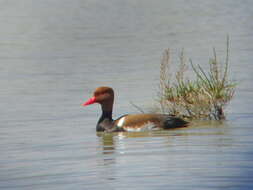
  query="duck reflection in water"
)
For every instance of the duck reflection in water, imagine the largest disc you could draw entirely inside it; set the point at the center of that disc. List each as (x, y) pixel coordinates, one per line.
(107, 142)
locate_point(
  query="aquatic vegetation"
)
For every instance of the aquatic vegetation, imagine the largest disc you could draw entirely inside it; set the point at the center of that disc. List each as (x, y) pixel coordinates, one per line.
(203, 97)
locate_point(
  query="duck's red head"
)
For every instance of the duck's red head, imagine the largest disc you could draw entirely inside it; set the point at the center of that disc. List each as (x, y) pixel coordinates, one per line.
(102, 95)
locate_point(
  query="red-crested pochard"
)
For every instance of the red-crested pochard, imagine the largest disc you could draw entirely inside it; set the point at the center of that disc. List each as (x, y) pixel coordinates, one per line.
(132, 122)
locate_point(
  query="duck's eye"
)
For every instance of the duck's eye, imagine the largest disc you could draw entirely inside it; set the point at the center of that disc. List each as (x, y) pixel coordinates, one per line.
(98, 93)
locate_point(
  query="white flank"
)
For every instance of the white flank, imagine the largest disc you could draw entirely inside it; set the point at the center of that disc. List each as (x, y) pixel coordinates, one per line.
(146, 127)
(121, 122)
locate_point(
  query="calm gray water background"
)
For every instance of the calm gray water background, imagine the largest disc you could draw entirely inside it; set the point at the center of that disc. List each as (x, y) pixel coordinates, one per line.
(53, 53)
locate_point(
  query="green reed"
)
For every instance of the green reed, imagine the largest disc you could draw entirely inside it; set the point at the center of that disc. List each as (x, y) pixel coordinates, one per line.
(203, 97)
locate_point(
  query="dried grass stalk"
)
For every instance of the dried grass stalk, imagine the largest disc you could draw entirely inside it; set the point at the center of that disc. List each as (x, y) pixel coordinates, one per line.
(202, 98)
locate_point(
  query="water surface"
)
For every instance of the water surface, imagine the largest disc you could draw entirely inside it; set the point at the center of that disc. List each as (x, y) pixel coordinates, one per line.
(53, 54)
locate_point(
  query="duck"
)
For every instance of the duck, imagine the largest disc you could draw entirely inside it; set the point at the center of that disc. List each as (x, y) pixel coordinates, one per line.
(130, 122)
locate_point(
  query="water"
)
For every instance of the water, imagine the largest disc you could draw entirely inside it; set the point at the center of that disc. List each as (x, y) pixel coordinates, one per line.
(53, 54)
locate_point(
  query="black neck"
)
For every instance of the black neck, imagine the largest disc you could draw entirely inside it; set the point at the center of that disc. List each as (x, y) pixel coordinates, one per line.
(105, 121)
(106, 115)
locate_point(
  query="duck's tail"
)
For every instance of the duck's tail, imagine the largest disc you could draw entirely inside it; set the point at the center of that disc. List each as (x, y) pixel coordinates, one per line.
(175, 122)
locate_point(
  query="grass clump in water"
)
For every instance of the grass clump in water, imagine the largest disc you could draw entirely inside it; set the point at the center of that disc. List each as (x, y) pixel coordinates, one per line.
(203, 97)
